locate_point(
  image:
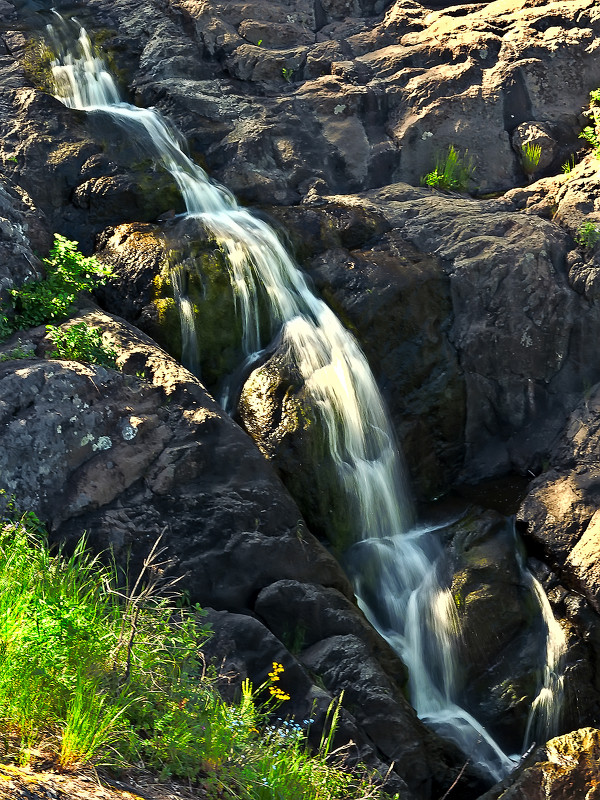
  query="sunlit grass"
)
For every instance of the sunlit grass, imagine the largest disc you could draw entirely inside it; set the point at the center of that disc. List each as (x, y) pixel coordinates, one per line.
(90, 675)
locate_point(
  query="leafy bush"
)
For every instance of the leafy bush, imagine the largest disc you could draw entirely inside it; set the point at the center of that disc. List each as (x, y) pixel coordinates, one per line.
(68, 273)
(91, 674)
(80, 342)
(452, 171)
(591, 133)
(530, 157)
(587, 235)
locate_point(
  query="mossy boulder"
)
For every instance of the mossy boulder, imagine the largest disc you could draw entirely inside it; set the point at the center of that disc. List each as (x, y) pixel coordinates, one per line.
(160, 269)
(502, 636)
(276, 411)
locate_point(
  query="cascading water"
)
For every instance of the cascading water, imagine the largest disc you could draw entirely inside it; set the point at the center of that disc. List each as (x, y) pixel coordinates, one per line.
(413, 599)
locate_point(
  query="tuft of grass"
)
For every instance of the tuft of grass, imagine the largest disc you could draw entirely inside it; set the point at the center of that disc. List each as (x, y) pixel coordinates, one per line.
(452, 171)
(530, 157)
(93, 674)
(68, 272)
(569, 165)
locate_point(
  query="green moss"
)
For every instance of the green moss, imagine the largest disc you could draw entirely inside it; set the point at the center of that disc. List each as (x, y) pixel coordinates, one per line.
(37, 64)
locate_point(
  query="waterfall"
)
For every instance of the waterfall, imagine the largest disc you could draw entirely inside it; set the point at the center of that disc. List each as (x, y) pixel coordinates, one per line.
(408, 584)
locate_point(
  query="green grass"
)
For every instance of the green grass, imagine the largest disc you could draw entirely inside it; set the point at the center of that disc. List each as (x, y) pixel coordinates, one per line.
(530, 157)
(452, 171)
(92, 675)
(588, 235)
(68, 273)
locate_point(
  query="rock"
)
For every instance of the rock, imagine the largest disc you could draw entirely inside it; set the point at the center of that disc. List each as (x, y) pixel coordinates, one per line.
(474, 334)
(22, 232)
(383, 714)
(242, 647)
(559, 513)
(502, 639)
(568, 769)
(320, 613)
(404, 80)
(534, 134)
(116, 454)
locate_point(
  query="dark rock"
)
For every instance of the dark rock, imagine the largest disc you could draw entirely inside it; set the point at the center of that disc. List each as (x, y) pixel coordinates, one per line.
(116, 454)
(502, 639)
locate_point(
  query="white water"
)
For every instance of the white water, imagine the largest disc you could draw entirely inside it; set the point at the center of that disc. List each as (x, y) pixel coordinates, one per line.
(421, 617)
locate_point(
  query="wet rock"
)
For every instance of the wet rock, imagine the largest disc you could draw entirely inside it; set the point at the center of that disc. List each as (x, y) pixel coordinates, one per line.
(502, 639)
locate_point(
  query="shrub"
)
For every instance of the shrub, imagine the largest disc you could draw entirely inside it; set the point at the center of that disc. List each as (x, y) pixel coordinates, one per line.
(52, 298)
(80, 342)
(452, 171)
(587, 235)
(591, 132)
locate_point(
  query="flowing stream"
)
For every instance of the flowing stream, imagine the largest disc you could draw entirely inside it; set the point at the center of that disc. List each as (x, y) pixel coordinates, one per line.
(413, 590)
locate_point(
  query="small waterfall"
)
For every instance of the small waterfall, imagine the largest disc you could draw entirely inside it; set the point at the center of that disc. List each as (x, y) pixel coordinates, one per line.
(397, 571)
(544, 716)
(189, 340)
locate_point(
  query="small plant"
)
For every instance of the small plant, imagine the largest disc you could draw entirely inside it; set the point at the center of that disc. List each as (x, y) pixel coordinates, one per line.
(591, 133)
(452, 171)
(69, 272)
(587, 235)
(569, 165)
(80, 342)
(530, 157)
(287, 74)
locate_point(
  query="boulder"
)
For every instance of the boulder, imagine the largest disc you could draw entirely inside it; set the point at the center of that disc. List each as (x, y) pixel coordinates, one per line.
(501, 648)
(115, 454)
(567, 768)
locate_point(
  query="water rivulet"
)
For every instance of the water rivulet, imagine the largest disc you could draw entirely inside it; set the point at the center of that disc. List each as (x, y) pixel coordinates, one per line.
(275, 301)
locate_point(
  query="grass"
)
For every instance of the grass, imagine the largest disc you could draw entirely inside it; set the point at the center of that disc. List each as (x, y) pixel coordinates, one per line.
(93, 675)
(452, 171)
(530, 157)
(591, 132)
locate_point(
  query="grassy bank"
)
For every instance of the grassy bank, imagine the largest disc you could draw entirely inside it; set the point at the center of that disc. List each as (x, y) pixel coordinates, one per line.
(95, 675)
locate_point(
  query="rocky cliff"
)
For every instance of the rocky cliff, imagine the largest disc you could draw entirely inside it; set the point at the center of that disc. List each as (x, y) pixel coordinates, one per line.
(477, 311)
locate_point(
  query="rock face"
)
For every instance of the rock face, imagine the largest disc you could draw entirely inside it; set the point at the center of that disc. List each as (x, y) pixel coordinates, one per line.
(568, 768)
(478, 316)
(128, 457)
(280, 95)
